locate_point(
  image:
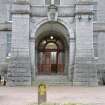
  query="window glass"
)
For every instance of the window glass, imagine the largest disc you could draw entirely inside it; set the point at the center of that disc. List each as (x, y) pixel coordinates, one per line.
(51, 46)
(53, 57)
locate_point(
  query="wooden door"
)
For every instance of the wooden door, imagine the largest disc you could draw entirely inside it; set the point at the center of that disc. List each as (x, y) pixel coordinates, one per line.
(54, 62)
(47, 63)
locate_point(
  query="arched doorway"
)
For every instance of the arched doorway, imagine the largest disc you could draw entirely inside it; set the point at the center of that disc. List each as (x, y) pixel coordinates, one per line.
(51, 55)
(52, 49)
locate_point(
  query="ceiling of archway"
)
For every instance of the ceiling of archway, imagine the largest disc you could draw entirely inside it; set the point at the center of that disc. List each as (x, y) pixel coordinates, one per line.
(52, 28)
(51, 42)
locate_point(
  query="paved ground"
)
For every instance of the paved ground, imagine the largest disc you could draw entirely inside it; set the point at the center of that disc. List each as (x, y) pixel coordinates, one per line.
(60, 94)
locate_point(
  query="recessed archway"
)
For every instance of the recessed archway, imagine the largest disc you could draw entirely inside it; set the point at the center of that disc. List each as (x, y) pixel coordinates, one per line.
(51, 55)
(52, 48)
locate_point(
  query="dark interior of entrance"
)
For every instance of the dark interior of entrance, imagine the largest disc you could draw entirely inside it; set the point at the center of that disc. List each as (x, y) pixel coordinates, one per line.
(50, 56)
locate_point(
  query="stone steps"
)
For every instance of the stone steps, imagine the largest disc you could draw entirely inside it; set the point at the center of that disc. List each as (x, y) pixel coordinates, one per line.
(19, 73)
(53, 80)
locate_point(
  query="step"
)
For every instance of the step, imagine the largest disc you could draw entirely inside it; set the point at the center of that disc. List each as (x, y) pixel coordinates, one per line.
(53, 80)
(54, 83)
(51, 77)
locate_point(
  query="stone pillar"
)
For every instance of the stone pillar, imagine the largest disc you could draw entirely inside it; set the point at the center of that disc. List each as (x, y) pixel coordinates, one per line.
(32, 55)
(19, 69)
(85, 72)
(71, 58)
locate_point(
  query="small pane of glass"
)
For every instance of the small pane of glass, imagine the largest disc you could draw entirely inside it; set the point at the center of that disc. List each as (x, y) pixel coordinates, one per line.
(53, 57)
(51, 46)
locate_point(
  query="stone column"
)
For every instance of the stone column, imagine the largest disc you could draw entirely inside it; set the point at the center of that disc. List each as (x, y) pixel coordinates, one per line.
(71, 58)
(19, 70)
(32, 55)
(85, 72)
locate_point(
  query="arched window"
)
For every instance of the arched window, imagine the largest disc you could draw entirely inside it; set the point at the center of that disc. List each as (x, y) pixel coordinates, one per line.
(50, 43)
(51, 46)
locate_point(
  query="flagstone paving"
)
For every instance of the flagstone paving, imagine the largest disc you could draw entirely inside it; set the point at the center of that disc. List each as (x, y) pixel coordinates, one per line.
(58, 94)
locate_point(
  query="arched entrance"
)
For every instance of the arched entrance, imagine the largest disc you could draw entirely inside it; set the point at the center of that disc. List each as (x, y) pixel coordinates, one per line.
(52, 49)
(51, 55)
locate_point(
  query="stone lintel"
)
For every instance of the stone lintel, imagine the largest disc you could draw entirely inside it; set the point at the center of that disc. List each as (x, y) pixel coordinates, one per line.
(5, 26)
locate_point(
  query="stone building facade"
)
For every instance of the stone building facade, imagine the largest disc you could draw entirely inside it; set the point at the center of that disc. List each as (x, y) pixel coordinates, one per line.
(55, 41)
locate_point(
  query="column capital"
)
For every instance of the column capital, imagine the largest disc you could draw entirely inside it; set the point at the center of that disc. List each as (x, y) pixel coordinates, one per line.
(52, 13)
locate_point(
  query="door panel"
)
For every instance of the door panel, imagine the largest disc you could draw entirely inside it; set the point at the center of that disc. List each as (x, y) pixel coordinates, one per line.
(50, 62)
(54, 68)
(47, 62)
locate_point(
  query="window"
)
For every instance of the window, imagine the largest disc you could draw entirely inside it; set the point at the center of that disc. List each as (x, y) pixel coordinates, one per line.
(53, 57)
(49, 2)
(51, 46)
(8, 44)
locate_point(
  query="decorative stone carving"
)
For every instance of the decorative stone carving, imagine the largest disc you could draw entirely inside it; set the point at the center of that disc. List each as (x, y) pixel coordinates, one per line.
(52, 13)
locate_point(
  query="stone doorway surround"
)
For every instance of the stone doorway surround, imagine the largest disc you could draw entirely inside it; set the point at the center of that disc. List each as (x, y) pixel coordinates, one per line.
(64, 32)
(79, 59)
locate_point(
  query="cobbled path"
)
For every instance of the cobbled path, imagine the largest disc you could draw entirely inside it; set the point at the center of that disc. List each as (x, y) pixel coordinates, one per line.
(58, 94)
